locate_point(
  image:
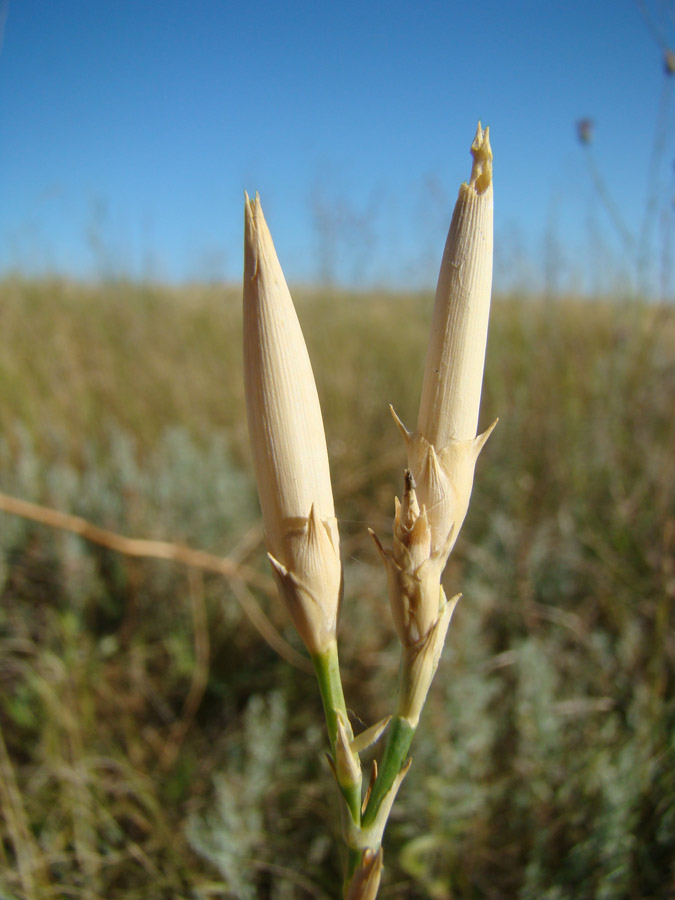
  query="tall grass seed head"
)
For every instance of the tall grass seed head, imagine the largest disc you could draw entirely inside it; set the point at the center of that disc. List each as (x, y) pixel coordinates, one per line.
(288, 443)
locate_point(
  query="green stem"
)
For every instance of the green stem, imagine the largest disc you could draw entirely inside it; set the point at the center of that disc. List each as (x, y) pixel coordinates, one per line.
(353, 862)
(399, 738)
(327, 668)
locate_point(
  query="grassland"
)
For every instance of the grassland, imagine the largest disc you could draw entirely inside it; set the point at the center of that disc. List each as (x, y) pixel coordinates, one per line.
(154, 745)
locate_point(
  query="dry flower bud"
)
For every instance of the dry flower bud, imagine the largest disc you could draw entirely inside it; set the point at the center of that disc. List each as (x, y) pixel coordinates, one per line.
(288, 443)
(453, 374)
(442, 452)
(413, 574)
(412, 536)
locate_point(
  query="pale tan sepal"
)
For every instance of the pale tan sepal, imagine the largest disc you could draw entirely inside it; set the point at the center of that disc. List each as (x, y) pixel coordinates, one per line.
(420, 661)
(362, 838)
(365, 882)
(312, 590)
(347, 763)
(444, 480)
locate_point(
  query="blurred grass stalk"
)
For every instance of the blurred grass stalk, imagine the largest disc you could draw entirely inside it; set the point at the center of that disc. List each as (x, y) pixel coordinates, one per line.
(292, 472)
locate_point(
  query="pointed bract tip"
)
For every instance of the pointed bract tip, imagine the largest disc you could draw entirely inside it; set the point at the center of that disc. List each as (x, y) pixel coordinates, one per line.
(480, 441)
(481, 170)
(448, 606)
(313, 522)
(405, 434)
(379, 546)
(278, 567)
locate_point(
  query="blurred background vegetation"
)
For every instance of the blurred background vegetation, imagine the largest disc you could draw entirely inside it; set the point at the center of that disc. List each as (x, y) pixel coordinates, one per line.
(154, 745)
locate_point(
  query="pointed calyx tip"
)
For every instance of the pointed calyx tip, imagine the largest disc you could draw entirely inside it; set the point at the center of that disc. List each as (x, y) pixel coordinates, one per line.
(253, 220)
(481, 170)
(252, 208)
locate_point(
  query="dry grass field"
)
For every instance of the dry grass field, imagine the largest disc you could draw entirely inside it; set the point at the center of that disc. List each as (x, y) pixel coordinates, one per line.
(160, 739)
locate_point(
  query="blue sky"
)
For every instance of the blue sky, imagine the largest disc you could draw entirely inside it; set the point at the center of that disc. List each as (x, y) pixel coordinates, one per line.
(130, 129)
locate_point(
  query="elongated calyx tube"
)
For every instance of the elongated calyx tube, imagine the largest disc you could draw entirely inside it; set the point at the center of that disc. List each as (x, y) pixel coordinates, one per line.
(288, 443)
(453, 374)
(442, 452)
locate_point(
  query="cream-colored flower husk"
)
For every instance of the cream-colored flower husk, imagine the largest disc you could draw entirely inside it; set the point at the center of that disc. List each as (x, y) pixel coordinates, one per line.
(442, 452)
(288, 443)
(453, 373)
